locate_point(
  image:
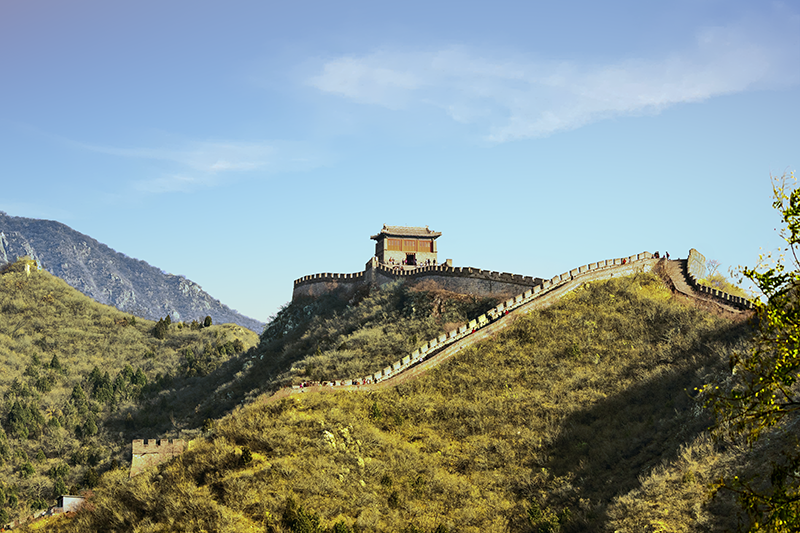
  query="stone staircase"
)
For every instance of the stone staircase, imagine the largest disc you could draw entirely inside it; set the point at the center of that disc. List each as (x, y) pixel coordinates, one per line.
(678, 273)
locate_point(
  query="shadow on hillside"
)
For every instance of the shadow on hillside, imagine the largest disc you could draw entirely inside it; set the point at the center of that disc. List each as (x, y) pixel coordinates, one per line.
(186, 402)
(608, 447)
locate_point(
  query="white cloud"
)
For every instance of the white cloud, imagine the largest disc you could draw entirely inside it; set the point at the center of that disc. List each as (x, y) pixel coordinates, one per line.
(196, 165)
(169, 183)
(520, 98)
(203, 156)
(367, 81)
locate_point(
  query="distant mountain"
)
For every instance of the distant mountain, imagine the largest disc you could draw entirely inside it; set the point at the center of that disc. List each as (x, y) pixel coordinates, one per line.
(110, 277)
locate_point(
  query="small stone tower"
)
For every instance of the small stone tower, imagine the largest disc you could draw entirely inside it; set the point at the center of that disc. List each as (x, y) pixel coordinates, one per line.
(152, 452)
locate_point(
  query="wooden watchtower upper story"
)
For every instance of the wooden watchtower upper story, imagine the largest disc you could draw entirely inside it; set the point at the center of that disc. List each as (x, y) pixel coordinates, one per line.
(406, 245)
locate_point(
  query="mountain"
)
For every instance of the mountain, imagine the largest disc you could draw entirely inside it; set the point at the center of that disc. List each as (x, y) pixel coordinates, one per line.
(79, 380)
(572, 418)
(111, 278)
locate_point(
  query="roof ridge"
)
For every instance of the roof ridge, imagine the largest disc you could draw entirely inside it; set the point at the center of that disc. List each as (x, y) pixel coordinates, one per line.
(407, 231)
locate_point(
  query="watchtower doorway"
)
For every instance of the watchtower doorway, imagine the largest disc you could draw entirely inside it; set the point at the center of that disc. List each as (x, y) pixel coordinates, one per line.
(411, 259)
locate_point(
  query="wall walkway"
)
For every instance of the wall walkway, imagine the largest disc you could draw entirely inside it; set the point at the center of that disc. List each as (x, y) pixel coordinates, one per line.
(546, 292)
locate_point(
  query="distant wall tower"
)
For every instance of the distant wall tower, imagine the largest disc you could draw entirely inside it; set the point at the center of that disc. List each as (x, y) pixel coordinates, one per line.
(413, 246)
(152, 452)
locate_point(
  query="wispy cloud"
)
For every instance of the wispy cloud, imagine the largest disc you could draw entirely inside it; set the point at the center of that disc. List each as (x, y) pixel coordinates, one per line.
(197, 165)
(518, 98)
(171, 183)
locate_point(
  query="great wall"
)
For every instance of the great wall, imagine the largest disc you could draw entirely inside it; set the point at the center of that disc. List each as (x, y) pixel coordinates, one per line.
(146, 453)
(457, 279)
(682, 274)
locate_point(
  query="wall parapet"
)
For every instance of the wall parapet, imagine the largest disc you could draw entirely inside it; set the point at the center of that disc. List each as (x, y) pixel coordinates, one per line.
(141, 446)
(446, 270)
(540, 289)
(313, 278)
(694, 264)
(374, 268)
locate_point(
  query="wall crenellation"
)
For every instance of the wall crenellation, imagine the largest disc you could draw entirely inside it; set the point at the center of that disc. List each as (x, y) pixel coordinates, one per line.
(460, 277)
(158, 446)
(695, 264)
(541, 289)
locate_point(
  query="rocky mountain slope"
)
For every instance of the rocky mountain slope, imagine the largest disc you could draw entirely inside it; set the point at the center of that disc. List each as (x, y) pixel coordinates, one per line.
(110, 277)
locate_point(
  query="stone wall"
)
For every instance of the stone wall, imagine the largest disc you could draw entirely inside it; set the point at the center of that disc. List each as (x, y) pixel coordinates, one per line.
(464, 280)
(152, 452)
(317, 285)
(725, 298)
(696, 264)
(540, 294)
(556, 287)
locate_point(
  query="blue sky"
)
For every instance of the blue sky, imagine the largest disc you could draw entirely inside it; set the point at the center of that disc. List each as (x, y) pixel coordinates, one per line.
(245, 144)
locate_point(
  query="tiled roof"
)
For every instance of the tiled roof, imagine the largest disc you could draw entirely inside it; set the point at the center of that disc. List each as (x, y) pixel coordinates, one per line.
(406, 231)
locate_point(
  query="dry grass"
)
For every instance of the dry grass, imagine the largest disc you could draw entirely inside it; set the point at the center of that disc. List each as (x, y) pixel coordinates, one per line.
(576, 418)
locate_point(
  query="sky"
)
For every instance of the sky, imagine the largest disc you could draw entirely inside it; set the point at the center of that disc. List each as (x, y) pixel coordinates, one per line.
(245, 144)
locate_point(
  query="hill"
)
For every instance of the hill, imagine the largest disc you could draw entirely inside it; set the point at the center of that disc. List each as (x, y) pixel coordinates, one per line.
(110, 277)
(79, 380)
(574, 418)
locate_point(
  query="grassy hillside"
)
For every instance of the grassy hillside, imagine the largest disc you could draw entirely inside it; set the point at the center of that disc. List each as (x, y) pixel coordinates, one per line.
(576, 418)
(331, 338)
(79, 379)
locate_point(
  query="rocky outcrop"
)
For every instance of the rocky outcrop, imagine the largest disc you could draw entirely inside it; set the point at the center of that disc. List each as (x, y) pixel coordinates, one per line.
(111, 278)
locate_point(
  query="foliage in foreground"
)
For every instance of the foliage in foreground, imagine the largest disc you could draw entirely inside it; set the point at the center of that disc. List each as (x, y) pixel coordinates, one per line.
(552, 426)
(761, 397)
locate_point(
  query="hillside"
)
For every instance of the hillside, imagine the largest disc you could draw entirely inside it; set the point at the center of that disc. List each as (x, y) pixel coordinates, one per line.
(574, 418)
(111, 278)
(79, 379)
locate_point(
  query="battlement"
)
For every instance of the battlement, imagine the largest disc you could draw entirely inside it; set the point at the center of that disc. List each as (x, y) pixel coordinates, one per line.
(173, 446)
(358, 276)
(541, 294)
(457, 279)
(696, 269)
(463, 272)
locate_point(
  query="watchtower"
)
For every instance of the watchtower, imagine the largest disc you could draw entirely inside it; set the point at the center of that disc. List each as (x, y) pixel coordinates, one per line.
(151, 452)
(406, 245)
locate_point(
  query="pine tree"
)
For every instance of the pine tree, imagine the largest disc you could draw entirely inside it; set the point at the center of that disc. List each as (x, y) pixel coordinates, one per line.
(160, 329)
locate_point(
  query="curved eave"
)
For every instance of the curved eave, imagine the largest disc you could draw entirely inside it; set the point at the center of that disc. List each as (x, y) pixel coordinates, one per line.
(432, 235)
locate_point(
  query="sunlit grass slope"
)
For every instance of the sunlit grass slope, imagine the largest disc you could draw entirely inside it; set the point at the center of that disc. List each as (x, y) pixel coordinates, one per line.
(550, 426)
(331, 338)
(74, 377)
